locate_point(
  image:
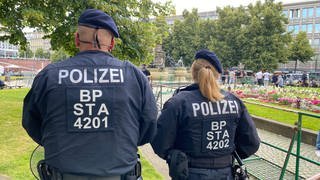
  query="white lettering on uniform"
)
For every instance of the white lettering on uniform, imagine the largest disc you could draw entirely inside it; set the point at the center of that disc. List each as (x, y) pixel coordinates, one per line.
(236, 107)
(78, 111)
(217, 136)
(195, 107)
(218, 107)
(224, 109)
(232, 106)
(102, 75)
(72, 76)
(114, 73)
(85, 95)
(89, 113)
(103, 109)
(205, 108)
(90, 107)
(63, 74)
(217, 125)
(85, 76)
(211, 109)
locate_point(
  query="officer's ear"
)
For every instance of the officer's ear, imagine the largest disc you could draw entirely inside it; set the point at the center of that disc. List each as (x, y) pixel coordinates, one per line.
(77, 39)
(111, 45)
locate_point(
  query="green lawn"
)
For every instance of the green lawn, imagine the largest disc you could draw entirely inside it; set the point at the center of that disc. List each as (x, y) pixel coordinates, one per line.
(283, 116)
(16, 146)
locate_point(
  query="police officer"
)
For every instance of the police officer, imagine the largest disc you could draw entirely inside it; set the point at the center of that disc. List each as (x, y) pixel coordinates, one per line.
(146, 72)
(91, 111)
(206, 124)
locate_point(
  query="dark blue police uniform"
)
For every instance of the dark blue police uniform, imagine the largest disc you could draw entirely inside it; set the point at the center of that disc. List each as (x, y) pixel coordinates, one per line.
(90, 112)
(207, 132)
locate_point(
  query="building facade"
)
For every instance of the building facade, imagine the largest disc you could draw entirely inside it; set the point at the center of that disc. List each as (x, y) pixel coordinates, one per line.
(35, 40)
(8, 50)
(305, 16)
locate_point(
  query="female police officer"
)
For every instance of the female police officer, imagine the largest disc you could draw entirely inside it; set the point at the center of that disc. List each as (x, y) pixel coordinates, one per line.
(206, 124)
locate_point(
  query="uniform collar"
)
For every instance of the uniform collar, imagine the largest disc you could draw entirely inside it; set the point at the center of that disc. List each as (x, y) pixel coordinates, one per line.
(94, 52)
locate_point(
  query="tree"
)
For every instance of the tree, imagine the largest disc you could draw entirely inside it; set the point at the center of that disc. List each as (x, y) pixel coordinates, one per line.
(228, 40)
(25, 53)
(162, 29)
(59, 55)
(300, 49)
(40, 53)
(184, 39)
(266, 37)
(58, 19)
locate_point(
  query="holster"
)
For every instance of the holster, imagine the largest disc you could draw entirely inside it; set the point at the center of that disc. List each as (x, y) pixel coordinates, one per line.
(135, 173)
(47, 173)
(178, 165)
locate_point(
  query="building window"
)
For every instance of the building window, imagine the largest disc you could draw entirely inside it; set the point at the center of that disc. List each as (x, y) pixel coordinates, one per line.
(304, 28)
(295, 13)
(290, 28)
(296, 29)
(317, 28)
(285, 13)
(310, 12)
(318, 12)
(304, 12)
(309, 28)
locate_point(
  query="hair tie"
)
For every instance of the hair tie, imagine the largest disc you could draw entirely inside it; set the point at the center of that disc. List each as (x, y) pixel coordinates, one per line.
(207, 67)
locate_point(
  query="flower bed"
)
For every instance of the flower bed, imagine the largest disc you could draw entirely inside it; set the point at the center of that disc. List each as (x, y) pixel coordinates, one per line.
(301, 98)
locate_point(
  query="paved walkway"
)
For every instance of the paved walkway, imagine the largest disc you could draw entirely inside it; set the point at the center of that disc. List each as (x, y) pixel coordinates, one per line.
(306, 169)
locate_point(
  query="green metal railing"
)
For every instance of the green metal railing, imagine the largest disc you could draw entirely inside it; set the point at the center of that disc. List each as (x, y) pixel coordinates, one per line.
(296, 137)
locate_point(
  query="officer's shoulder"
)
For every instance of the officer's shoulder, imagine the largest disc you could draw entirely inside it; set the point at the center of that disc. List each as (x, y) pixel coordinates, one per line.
(232, 96)
(183, 89)
(229, 95)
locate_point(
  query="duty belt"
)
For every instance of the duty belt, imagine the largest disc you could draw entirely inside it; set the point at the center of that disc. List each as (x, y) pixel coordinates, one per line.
(49, 173)
(210, 163)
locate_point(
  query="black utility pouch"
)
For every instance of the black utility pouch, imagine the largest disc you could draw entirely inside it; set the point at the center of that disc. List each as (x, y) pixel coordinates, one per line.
(178, 165)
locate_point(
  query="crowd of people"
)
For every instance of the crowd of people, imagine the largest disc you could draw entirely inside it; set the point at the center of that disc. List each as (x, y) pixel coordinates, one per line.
(266, 78)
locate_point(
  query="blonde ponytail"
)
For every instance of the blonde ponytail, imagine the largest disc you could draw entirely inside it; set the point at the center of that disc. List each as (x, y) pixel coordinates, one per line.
(206, 76)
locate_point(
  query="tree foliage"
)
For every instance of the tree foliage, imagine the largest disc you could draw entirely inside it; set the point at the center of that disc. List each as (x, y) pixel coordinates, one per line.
(42, 54)
(266, 37)
(228, 38)
(58, 19)
(300, 49)
(188, 36)
(26, 53)
(59, 55)
(254, 36)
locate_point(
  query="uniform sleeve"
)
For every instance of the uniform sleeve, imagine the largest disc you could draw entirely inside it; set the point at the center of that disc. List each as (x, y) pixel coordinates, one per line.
(149, 114)
(246, 139)
(166, 130)
(31, 118)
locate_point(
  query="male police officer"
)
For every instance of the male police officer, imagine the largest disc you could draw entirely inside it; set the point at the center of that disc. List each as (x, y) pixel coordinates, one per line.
(201, 126)
(90, 112)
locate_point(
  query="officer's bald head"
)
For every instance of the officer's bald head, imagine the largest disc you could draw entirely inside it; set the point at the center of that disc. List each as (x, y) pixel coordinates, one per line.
(87, 38)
